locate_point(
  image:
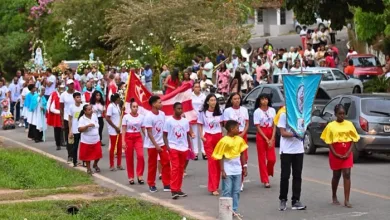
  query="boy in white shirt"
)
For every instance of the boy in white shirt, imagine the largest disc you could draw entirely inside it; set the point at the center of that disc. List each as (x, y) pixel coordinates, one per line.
(73, 121)
(177, 140)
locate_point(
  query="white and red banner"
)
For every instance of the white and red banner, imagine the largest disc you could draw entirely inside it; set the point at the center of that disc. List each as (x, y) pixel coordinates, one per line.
(141, 95)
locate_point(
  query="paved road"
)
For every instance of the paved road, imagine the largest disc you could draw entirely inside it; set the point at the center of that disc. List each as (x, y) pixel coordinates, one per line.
(370, 181)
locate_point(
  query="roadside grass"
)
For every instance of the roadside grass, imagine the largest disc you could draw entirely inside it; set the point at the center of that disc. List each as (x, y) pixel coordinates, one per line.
(29, 194)
(119, 208)
(22, 169)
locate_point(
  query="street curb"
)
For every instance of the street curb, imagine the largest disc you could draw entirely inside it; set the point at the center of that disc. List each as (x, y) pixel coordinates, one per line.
(143, 196)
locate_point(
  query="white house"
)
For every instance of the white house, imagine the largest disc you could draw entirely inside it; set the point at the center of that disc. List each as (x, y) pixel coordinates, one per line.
(271, 19)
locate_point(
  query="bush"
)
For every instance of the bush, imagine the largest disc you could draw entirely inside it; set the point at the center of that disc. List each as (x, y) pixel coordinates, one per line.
(378, 84)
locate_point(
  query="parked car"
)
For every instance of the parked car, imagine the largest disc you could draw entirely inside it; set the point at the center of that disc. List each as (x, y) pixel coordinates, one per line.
(367, 66)
(335, 82)
(319, 24)
(277, 96)
(370, 114)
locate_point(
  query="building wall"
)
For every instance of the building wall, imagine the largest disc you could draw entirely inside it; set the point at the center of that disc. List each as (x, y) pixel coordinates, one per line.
(271, 23)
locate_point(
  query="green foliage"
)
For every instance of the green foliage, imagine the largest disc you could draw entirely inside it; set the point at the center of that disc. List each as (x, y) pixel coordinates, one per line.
(336, 11)
(369, 25)
(378, 84)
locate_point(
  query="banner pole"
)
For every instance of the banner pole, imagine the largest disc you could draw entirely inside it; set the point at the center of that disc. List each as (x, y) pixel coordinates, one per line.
(123, 110)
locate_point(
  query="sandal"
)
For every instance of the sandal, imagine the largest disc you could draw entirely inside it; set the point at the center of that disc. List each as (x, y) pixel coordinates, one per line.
(89, 172)
(131, 182)
(112, 169)
(267, 185)
(97, 169)
(120, 168)
(141, 182)
(215, 193)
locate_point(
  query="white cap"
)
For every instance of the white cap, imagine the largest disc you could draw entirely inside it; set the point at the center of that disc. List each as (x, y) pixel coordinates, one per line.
(69, 81)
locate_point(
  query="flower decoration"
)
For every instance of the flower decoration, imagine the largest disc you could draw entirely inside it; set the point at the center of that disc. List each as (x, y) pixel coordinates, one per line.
(130, 64)
(88, 65)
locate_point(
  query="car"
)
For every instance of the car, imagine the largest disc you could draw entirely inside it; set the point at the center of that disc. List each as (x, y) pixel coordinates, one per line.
(277, 97)
(370, 114)
(367, 66)
(319, 24)
(335, 82)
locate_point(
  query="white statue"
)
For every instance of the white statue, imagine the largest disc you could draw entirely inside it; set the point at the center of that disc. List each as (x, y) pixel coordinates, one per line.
(91, 56)
(38, 59)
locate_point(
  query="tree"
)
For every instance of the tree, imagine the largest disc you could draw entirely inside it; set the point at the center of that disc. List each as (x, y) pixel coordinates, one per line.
(336, 11)
(210, 24)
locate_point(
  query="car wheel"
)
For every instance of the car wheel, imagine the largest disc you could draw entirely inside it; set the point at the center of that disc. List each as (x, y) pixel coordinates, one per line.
(298, 29)
(356, 154)
(320, 26)
(356, 89)
(308, 144)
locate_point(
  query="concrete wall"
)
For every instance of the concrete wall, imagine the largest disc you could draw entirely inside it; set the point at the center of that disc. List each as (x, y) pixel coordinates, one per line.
(271, 23)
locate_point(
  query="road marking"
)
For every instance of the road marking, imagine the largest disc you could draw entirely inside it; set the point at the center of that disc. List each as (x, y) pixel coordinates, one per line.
(308, 179)
(143, 196)
(342, 215)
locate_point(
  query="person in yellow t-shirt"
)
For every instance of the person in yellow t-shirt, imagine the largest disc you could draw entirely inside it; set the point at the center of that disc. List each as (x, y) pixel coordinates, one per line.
(229, 151)
(339, 135)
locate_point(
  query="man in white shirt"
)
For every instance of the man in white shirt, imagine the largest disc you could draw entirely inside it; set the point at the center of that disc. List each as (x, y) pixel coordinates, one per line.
(49, 83)
(66, 101)
(309, 56)
(315, 37)
(291, 157)
(208, 68)
(15, 90)
(303, 35)
(124, 75)
(94, 74)
(278, 71)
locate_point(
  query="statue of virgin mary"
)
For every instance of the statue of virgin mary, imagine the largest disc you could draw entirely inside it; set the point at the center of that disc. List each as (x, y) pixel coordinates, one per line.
(38, 59)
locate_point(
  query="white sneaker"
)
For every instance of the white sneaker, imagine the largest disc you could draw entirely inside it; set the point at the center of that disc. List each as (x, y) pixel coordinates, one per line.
(242, 187)
(20, 125)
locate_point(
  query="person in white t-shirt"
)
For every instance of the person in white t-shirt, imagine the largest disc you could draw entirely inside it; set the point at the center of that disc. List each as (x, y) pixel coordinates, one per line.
(94, 74)
(247, 82)
(132, 130)
(210, 129)
(124, 75)
(50, 84)
(291, 157)
(113, 118)
(154, 124)
(234, 111)
(263, 119)
(208, 68)
(315, 37)
(73, 118)
(66, 101)
(177, 140)
(99, 108)
(197, 102)
(303, 35)
(90, 148)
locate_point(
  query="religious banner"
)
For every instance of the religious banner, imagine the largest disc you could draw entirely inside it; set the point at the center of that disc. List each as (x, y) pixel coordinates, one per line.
(300, 91)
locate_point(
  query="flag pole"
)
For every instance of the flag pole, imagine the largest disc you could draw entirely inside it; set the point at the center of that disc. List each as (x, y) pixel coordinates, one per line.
(122, 110)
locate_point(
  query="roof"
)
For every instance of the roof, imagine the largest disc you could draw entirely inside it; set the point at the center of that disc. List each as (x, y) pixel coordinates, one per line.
(268, 4)
(368, 95)
(361, 55)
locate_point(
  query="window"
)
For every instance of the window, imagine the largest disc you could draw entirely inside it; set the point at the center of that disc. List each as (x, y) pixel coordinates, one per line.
(329, 109)
(339, 75)
(253, 95)
(260, 15)
(267, 90)
(282, 16)
(327, 76)
(365, 61)
(346, 102)
(379, 107)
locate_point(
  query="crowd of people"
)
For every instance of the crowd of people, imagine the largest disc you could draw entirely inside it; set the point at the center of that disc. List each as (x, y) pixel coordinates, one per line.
(79, 106)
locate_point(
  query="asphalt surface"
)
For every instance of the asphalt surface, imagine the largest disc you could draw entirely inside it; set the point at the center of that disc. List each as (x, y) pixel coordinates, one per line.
(370, 194)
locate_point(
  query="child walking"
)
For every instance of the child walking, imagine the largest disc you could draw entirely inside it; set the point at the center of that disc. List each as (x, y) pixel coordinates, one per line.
(73, 120)
(229, 151)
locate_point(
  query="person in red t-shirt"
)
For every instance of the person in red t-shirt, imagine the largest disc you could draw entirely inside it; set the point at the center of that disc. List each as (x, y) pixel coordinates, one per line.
(350, 69)
(329, 60)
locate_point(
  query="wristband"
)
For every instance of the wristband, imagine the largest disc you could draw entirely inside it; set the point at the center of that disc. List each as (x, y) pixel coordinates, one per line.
(245, 165)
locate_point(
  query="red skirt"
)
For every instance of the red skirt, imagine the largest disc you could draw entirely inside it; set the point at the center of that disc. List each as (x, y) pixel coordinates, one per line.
(337, 163)
(89, 152)
(53, 120)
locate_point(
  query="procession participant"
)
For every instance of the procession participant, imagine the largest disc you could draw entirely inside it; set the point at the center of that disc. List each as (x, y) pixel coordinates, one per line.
(132, 141)
(229, 151)
(112, 88)
(50, 83)
(197, 102)
(186, 78)
(223, 79)
(99, 109)
(90, 148)
(208, 69)
(40, 115)
(23, 98)
(73, 117)
(236, 82)
(177, 140)
(124, 75)
(303, 35)
(66, 101)
(291, 157)
(263, 119)
(315, 37)
(54, 115)
(154, 124)
(172, 81)
(114, 131)
(340, 135)
(31, 103)
(87, 94)
(77, 85)
(309, 56)
(148, 73)
(210, 131)
(95, 73)
(164, 74)
(14, 90)
(233, 111)
(4, 92)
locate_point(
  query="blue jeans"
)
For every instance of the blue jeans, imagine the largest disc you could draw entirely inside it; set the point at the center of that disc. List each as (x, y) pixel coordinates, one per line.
(231, 187)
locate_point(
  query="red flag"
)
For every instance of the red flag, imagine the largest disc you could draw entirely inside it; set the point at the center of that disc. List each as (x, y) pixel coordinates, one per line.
(111, 89)
(141, 95)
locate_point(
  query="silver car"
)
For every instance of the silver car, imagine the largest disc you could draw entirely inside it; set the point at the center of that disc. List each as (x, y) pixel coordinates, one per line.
(335, 81)
(370, 113)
